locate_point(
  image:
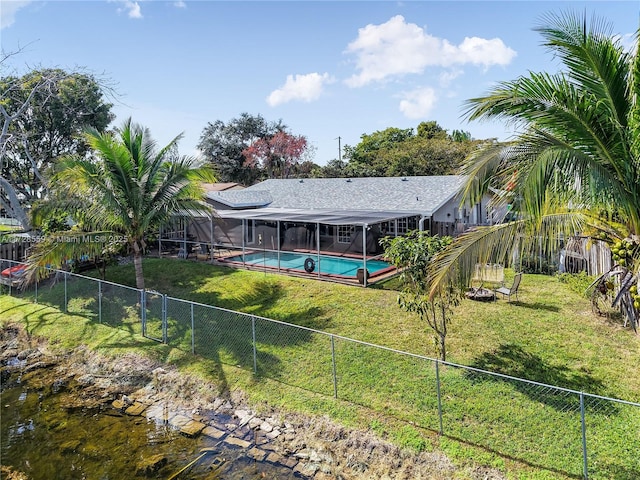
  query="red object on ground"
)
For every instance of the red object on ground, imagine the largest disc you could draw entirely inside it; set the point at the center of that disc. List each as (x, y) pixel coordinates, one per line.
(13, 271)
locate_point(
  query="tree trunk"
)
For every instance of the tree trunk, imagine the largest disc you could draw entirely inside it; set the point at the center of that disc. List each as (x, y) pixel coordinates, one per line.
(443, 348)
(15, 209)
(137, 263)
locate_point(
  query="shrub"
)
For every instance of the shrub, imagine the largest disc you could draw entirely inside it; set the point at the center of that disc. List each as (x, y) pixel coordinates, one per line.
(577, 282)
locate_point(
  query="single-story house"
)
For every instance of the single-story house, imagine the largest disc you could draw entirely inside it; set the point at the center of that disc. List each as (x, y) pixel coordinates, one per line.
(337, 217)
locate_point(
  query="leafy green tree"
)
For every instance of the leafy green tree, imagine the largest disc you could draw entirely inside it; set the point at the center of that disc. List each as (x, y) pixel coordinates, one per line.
(461, 136)
(333, 169)
(425, 156)
(123, 192)
(397, 152)
(367, 151)
(412, 254)
(224, 146)
(574, 168)
(431, 129)
(43, 112)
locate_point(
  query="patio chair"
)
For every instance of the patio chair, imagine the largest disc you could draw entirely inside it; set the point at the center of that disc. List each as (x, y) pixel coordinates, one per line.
(513, 289)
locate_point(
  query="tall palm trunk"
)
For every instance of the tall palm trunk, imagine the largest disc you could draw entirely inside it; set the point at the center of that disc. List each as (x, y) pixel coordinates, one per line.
(137, 264)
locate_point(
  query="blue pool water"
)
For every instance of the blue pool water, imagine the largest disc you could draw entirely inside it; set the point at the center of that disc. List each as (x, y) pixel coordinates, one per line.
(295, 261)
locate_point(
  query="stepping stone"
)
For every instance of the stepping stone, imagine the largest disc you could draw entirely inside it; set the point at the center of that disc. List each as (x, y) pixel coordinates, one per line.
(231, 440)
(274, 457)
(257, 454)
(179, 421)
(192, 428)
(159, 413)
(213, 432)
(136, 409)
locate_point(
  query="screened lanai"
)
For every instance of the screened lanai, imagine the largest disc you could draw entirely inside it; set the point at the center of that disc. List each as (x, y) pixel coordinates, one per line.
(329, 244)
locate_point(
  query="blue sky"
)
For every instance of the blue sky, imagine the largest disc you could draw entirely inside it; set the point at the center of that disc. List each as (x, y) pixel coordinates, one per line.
(327, 69)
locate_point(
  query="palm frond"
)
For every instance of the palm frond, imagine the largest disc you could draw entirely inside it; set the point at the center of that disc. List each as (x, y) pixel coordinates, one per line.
(57, 251)
(498, 243)
(595, 61)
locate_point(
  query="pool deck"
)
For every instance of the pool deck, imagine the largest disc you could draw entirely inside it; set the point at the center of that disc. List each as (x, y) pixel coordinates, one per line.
(221, 257)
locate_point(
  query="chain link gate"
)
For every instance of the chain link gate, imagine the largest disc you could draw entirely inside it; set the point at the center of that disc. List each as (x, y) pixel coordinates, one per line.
(154, 315)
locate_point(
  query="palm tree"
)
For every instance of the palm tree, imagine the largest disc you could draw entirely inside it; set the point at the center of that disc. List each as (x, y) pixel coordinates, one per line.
(122, 194)
(574, 166)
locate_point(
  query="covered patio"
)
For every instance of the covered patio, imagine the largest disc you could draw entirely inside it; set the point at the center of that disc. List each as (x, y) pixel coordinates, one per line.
(329, 244)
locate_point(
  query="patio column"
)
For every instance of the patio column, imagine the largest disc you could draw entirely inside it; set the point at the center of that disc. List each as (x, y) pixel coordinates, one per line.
(211, 238)
(318, 246)
(243, 236)
(365, 227)
(278, 240)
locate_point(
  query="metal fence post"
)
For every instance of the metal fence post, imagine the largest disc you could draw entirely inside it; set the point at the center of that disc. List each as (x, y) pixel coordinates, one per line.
(165, 329)
(99, 301)
(333, 363)
(65, 291)
(255, 353)
(193, 332)
(143, 311)
(439, 396)
(585, 467)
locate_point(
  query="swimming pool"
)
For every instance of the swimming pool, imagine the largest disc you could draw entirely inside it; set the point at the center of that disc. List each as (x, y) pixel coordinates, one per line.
(327, 265)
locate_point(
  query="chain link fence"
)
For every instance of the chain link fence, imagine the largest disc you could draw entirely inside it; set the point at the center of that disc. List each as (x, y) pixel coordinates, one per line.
(562, 431)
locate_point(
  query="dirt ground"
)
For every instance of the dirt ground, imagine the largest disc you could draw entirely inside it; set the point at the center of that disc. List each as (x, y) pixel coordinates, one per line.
(334, 452)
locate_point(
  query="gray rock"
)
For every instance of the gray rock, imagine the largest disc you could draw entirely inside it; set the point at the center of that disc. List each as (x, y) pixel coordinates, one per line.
(266, 427)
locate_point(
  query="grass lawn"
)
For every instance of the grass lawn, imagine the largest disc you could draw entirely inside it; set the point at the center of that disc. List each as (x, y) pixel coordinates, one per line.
(549, 336)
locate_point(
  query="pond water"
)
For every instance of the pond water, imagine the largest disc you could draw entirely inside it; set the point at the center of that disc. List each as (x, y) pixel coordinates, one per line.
(45, 437)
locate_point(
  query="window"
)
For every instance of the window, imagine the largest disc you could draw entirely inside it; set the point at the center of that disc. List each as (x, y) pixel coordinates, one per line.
(403, 226)
(344, 233)
(388, 228)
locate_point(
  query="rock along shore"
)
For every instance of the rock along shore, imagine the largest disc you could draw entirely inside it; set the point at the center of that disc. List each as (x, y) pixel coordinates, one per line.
(312, 447)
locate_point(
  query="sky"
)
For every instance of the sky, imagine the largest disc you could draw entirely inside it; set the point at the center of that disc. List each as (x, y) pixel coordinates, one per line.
(330, 70)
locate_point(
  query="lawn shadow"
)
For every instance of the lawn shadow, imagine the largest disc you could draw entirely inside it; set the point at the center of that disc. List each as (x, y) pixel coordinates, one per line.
(261, 294)
(536, 306)
(514, 361)
(222, 335)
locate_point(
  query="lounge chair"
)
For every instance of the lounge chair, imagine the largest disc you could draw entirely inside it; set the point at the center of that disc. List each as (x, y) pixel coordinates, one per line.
(513, 290)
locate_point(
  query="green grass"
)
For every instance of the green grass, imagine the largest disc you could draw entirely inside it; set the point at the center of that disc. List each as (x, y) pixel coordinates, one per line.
(549, 336)
(8, 228)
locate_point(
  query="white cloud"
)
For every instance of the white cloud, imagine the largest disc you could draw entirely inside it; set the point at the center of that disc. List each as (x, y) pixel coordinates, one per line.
(131, 7)
(9, 9)
(449, 76)
(628, 42)
(418, 103)
(306, 88)
(180, 4)
(480, 51)
(398, 48)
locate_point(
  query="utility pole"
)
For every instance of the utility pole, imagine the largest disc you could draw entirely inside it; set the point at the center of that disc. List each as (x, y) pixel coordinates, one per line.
(339, 149)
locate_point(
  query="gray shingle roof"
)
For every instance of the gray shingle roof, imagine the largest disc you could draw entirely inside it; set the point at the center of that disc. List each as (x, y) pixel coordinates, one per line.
(241, 198)
(423, 195)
